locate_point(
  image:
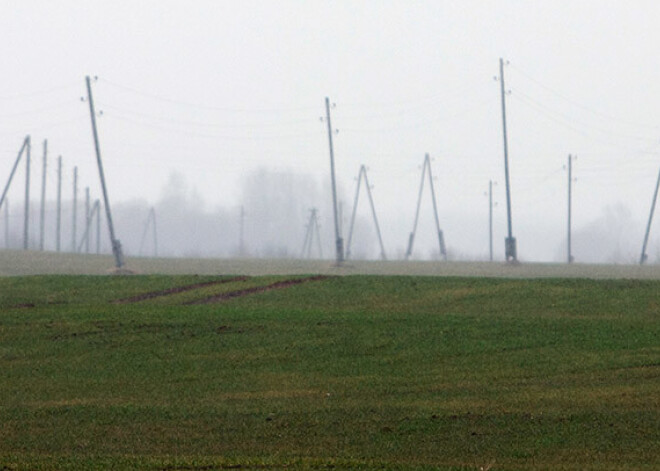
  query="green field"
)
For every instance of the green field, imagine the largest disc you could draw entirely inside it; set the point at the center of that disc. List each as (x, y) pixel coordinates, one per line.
(342, 372)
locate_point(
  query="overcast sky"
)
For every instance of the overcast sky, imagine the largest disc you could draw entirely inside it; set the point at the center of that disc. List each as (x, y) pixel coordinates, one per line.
(213, 90)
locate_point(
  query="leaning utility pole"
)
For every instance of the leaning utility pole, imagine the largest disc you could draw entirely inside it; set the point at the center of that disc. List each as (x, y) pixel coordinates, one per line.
(24, 148)
(643, 257)
(441, 238)
(26, 222)
(312, 226)
(42, 214)
(97, 203)
(363, 174)
(510, 242)
(74, 221)
(116, 245)
(570, 184)
(7, 223)
(151, 221)
(339, 243)
(58, 225)
(87, 219)
(241, 234)
(26, 144)
(88, 226)
(490, 219)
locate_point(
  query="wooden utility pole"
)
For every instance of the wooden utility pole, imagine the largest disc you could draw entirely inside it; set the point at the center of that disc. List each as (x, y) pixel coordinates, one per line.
(42, 213)
(644, 256)
(312, 226)
(490, 219)
(97, 204)
(7, 223)
(58, 223)
(241, 235)
(116, 244)
(87, 219)
(88, 227)
(510, 242)
(151, 221)
(441, 238)
(363, 175)
(26, 144)
(570, 184)
(26, 221)
(339, 243)
(74, 221)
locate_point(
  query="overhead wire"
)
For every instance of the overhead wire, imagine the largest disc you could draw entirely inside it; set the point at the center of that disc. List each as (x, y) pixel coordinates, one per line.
(203, 106)
(565, 120)
(419, 123)
(39, 110)
(582, 106)
(103, 105)
(178, 130)
(549, 115)
(47, 91)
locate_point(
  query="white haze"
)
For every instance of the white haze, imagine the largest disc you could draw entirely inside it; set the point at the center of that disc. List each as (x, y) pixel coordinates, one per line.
(210, 106)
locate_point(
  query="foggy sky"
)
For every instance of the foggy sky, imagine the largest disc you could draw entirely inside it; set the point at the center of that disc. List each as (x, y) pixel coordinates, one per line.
(221, 92)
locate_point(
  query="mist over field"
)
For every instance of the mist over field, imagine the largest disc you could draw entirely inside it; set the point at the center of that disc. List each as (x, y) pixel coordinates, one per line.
(275, 215)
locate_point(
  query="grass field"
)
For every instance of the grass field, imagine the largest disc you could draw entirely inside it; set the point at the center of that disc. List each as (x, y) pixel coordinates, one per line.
(351, 372)
(19, 262)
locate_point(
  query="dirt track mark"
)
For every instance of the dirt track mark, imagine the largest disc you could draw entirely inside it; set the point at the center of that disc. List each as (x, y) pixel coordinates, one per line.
(176, 290)
(256, 289)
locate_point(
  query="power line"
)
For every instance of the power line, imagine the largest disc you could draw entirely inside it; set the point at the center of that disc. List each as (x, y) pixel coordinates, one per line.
(421, 123)
(524, 98)
(201, 106)
(21, 96)
(582, 106)
(55, 106)
(169, 130)
(205, 123)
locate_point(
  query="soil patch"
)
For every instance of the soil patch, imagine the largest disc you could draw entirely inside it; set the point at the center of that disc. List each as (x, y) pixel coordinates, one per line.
(176, 290)
(256, 289)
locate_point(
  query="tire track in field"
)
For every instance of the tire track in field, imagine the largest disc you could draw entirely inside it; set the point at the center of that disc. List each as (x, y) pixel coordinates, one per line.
(177, 290)
(256, 289)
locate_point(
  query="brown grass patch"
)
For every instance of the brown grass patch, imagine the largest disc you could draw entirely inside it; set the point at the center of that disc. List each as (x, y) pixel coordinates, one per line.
(177, 290)
(256, 289)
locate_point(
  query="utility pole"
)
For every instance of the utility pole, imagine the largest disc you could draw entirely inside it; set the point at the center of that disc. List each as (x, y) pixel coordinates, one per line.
(7, 223)
(241, 239)
(97, 204)
(339, 243)
(95, 209)
(42, 214)
(59, 204)
(26, 222)
(75, 209)
(87, 219)
(312, 226)
(26, 144)
(155, 234)
(510, 242)
(363, 174)
(307, 246)
(441, 238)
(644, 256)
(340, 205)
(490, 219)
(570, 184)
(151, 221)
(116, 245)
